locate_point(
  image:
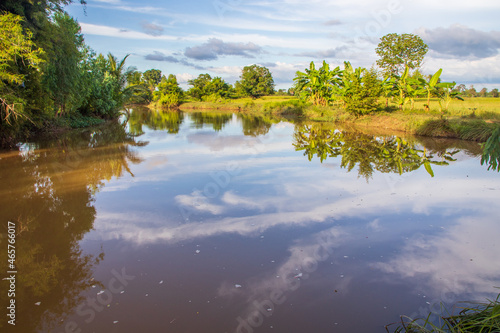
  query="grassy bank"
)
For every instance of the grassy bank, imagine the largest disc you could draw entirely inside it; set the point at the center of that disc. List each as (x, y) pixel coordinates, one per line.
(484, 317)
(473, 119)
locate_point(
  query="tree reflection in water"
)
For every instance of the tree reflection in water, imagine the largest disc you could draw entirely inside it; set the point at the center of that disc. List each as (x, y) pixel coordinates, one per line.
(386, 154)
(48, 191)
(254, 125)
(158, 120)
(216, 120)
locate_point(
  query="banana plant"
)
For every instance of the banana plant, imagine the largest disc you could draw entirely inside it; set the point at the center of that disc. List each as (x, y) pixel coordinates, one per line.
(430, 86)
(447, 94)
(413, 90)
(491, 151)
(318, 85)
(388, 88)
(401, 88)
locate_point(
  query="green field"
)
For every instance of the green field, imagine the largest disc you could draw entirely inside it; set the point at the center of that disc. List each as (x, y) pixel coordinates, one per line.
(471, 119)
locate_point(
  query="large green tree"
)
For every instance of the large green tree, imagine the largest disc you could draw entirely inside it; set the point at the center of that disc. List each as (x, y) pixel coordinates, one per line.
(169, 93)
(255, 81)
(152, 77)
(15, 46)
(398, 51)
(63, 75)
(199, 86)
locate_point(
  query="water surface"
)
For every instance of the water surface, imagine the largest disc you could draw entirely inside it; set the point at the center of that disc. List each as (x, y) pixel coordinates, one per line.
(197, 222)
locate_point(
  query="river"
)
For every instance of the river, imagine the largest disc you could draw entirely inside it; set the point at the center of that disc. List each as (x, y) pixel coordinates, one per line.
(220, 222)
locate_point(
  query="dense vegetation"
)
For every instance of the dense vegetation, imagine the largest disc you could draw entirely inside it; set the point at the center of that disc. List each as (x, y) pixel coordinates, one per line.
(49, 76)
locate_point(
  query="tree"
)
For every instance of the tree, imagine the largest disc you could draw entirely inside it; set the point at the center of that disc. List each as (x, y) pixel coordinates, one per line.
(199, 84)
(483, 92)
(362, 95)
(106, 90)
(15, 45)
(217, 89)
(398, 51)
(63, 77)
(494, 92)
(471, 92)
(461, 88)
(169, 93)
(134, 78)
(255, 81)
(152, 78)
(209, 89)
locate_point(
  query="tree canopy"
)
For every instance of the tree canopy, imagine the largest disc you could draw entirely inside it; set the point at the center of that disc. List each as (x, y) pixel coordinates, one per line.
(15, 46)
(255, 81)
(398, 51)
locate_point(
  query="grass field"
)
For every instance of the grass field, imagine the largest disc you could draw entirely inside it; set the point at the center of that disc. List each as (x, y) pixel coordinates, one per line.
(471, 119)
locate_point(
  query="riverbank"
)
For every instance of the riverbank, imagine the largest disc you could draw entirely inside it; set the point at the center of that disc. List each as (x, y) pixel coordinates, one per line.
(473, 317)
(474, 119)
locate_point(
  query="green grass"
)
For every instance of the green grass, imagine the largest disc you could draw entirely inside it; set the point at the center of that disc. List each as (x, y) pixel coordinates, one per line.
(481, 318)
(473, 119)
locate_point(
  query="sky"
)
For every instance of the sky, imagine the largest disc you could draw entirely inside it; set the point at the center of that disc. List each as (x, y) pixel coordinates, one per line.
(220, 37)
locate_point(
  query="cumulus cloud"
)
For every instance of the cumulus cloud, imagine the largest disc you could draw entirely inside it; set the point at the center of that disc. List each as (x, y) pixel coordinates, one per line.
(152, 29)
(184, 77)
(159, 56)
(196, 201)
(459, 41)
(214, 48)
(457, 259)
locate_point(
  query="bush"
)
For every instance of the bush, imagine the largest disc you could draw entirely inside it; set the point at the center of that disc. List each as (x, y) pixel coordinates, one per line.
(363, 94)
(169, 101)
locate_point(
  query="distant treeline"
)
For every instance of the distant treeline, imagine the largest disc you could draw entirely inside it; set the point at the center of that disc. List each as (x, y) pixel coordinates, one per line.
(49, 77)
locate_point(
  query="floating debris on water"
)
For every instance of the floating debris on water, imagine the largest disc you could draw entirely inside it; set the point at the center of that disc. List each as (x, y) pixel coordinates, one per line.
(237, 285)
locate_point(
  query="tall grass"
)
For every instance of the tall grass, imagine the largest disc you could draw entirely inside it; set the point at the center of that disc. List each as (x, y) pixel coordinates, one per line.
(479, 318)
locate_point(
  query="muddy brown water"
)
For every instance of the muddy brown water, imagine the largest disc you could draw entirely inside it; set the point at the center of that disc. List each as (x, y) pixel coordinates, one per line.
(203, 222)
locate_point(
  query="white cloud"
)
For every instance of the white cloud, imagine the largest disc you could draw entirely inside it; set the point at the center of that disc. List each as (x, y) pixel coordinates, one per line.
(198, 201)
(458, 259)
(103, 30)
(185, 77)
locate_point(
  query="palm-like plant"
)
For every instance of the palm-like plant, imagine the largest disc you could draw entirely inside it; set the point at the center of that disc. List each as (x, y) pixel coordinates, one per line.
(430, 87)
(317, 85)
(401, 87)
(446, 94)
(117, 70)
(388, 88)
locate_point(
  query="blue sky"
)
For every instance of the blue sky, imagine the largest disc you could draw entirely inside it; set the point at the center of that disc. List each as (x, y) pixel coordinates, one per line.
(220, 37)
